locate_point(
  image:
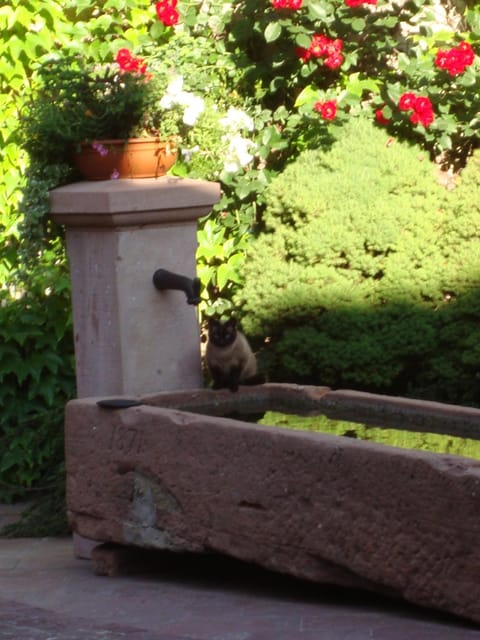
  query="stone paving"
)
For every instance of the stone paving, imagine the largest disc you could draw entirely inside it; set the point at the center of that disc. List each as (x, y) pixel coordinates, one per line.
(20, 622)
(47, 594)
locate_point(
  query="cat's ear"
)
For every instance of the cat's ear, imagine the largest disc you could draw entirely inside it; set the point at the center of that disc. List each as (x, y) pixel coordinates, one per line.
(232, 322)
(213, 322)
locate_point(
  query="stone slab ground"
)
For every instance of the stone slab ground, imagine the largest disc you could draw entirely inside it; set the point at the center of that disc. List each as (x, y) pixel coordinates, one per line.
(48, 594)
(327, 509)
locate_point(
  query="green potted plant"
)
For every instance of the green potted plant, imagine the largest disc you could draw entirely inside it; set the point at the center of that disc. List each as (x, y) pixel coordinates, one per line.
(99, 117)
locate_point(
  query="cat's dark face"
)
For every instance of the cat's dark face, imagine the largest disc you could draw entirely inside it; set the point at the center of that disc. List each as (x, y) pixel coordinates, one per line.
(222, 334)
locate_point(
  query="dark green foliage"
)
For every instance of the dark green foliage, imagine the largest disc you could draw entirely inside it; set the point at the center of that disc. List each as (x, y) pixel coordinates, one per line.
(368, 273)
(39, 234)
(36, 379)
(47, 514)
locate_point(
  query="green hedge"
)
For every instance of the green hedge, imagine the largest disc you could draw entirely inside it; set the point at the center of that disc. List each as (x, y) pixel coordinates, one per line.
(367, 274)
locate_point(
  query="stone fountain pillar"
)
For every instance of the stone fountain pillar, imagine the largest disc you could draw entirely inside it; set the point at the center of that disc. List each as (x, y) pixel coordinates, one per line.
(131, 338)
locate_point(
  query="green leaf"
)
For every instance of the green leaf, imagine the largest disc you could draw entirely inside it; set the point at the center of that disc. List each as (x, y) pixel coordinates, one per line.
(473, 19)
(307, 96)
(7, 19)
(157, 29)
(394, 92)
(317, 10)
(9, 460)
(468, 79)
(388, 21)
(445, 141)
(358, 24)
(357, 85)
(223, 275)
(273, 31)
(387, 112)
(303, 40)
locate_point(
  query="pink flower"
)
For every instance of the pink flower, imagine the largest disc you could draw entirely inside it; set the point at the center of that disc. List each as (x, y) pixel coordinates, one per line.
(327, 109)
(100, 149)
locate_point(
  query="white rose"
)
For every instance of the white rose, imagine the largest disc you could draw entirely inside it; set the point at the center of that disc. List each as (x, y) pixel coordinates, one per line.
(195, 106)
(238, 154)
(236, 120)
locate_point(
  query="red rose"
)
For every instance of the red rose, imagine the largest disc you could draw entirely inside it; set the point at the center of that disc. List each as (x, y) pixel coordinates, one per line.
(468, 53)
(323, 47)
(287, 4)
(334, 60)
(129, 63)
(380, 118)
(327, 109)
(318, 46)
(303, 54)
(358, 3)
(422, 104)
(441, 59)
(167, 12)
(335, 46)
(407, 101)
(456, 59)
(455, 62)
(426, 118)
(123, 58)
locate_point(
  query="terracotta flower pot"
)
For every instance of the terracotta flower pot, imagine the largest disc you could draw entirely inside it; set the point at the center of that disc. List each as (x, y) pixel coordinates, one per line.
(133, 158)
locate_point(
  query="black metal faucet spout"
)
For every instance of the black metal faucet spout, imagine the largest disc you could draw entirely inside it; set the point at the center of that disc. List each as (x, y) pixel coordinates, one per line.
(163, 279)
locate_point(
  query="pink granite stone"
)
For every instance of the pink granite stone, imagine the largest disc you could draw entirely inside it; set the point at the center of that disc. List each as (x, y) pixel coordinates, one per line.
(324, 508)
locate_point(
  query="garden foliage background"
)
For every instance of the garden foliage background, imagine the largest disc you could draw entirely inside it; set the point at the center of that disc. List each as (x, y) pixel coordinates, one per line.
(298, 71)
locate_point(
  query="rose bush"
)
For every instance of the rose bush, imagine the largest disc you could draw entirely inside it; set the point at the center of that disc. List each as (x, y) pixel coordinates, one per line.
(371, 53)
(305, 68)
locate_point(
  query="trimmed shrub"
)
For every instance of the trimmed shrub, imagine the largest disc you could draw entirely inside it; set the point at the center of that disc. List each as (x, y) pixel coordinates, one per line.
(367, 274)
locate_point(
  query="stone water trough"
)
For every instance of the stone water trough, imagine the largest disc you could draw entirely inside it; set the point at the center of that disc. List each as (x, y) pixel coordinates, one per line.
(185, 471)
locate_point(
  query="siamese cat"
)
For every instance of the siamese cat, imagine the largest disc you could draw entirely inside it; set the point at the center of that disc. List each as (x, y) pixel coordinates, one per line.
(229, 357)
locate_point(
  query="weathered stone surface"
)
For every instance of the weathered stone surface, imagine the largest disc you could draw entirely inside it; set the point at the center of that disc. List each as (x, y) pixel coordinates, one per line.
(391, 412)
(325, 508)
(130, 337)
